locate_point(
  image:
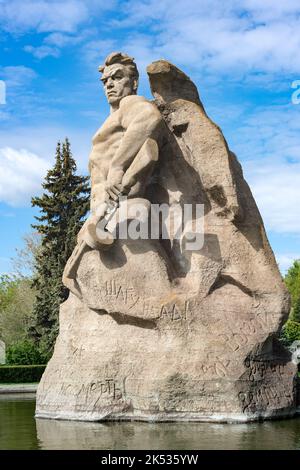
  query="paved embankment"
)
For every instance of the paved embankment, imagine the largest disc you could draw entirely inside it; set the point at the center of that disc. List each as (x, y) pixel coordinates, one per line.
(18, 388)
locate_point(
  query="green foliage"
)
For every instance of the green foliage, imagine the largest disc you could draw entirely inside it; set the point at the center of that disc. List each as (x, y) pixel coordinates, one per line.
(295, 313)
(63, 207)
(24, 353)
(21, 374)
(7, 290)
(292, 281)
(16, 304)
(291, 332)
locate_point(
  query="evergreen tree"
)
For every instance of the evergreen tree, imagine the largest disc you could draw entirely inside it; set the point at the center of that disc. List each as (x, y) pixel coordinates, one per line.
(63, 207)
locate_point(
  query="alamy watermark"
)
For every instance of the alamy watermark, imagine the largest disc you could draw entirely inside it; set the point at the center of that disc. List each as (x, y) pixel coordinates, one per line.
(2, 92)
(296, 94)
(140, 220)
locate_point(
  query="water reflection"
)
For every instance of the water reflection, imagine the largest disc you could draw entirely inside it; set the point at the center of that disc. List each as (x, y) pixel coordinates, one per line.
(17, 423)
(19, 430)
(132, 435)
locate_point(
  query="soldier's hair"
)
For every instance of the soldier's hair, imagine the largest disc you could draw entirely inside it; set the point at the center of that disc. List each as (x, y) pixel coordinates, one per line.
(124, 59)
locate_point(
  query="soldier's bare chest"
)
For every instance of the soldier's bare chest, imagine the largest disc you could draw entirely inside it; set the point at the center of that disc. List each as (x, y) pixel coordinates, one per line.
(112, 130)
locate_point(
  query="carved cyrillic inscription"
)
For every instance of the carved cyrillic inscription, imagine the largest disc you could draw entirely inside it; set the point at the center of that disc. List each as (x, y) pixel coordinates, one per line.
(171, 312)
(264, 397)
(268, 387)
(114, 291)
(219, 368)
(233, 341)
(107, 388)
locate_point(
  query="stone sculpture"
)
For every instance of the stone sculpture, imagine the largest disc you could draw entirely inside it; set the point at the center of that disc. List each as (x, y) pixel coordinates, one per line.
(155, 329)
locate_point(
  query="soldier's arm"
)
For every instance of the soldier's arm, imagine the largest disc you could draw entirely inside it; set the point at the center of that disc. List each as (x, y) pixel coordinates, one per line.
(141, 120)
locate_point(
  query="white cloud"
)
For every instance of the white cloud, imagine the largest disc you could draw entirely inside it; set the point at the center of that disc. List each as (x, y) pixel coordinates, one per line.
(276, 188)
(42, 140)
(27, 153)
(53, 43)
(68, 23)
(40, 52)
(96, 50)
(42, 15)
(285, 260)
(17, 75)
(268, 144)
(21, 173)
(59, 39)
(268, 9)
(234, 36)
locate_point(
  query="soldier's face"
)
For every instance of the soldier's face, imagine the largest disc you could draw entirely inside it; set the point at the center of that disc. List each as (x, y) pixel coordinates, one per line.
(117, 83)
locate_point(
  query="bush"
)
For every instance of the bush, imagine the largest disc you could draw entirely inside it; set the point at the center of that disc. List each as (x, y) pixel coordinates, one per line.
(21, 374)
(291, 332)
(24, 353)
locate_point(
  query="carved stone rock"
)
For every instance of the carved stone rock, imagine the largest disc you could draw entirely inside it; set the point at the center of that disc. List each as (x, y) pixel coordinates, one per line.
(165, 333)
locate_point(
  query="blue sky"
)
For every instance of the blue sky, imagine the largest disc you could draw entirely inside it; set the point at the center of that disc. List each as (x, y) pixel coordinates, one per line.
(243, 55)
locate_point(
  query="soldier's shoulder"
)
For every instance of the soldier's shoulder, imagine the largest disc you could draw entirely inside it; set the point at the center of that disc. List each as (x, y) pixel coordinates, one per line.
(137, 102)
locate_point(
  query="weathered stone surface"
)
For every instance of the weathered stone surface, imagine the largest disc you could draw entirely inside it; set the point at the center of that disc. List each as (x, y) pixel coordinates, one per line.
(165, 333)
(2, 352)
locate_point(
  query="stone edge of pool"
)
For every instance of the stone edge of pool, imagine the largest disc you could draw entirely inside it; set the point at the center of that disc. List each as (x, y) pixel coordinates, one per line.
(18, 388)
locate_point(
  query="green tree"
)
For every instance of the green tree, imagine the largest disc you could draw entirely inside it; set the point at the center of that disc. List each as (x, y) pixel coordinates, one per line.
(292, 281)
(63, 206)
(295, 314)
(16, 304)
(291, 332)
(291, 329)
(7, 290)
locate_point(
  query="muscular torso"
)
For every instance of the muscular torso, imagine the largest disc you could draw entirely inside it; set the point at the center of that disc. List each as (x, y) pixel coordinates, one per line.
(105, 144)
(125, 130)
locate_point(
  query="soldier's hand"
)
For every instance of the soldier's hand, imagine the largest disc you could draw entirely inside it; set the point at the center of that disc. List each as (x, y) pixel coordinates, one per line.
(127, 183)
(113, 185)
